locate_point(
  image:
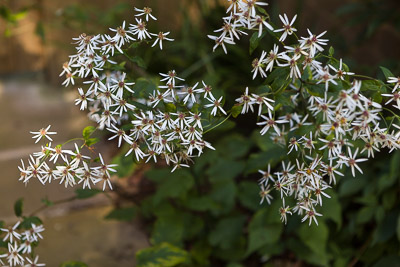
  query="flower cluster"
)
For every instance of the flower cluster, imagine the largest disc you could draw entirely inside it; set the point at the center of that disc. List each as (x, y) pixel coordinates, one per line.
(20, 243)
(70, 167)
(328, 124)
(94, 51)
(166, 121)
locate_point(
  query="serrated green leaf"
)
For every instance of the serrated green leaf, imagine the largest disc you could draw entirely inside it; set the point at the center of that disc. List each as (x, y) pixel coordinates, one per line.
(169, 227)
(227, 231)
(162, 255)
(86, 193)
(122, 214)
(174, 185)
(18, 206)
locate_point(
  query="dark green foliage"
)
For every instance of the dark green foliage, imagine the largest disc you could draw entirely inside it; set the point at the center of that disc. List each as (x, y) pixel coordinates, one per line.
(122, 214)
(163, 254)
(18, 206)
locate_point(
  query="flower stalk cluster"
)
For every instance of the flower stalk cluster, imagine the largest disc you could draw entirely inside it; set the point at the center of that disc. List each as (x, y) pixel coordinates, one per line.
(20, 244)
(69, 167)
(166, 123)
(331, 121)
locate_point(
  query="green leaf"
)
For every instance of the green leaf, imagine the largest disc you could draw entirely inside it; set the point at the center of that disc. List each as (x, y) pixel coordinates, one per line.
(122, 214)
(248, 195)
(223, 194)
(255, 41)
(262, 10)
(174, 185)
(386, 229)
(278, 73)
(225, 169)
(87, 132)
(386, 72)
(236, 110)
(163, 255)
(233, 146)
(86, 193)
(73, 264)
(351, 186)
(315, 237)
(169, 227)
(47, 202)
(331, 51)
(261, 236)
(18, 206)
(227, 231)
(126, 164)
(139, 61)
(202, 203)
(365, 214)
(92, 141)
(372, 85)
(40, 31)
(200, 252)
(169, 107)
(390, 260)
(332, 209)
(28, 221)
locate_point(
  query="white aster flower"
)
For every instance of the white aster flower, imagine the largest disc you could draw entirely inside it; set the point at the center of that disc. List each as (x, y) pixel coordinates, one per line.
(216, 104)
(396, 81)
(161, 36)
(270, 122)
(146, 11)
(42, 133)
(287, 27)
(11, 233)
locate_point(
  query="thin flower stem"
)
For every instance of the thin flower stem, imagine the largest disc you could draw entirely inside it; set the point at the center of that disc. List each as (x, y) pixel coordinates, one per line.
(218, 124)
(54, 203)
(73, 139)
(394, 114)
